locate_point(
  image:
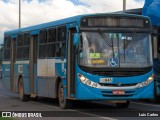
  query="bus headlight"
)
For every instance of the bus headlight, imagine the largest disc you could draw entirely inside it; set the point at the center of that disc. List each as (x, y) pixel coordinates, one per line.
(87, 82)
(145, 83)
(82, 78)
(95, 85)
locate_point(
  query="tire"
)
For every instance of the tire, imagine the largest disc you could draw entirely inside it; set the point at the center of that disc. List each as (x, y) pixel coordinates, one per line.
(123, 105)
(22, 96)
(63, 103)
(34, 98)
(156, 97)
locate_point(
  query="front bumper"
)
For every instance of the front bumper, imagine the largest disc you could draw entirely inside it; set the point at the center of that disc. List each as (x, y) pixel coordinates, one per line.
(84, 92)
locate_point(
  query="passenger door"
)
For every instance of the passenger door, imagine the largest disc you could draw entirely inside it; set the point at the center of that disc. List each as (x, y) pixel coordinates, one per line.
(33, 64)
(71, 65)
(13, 56)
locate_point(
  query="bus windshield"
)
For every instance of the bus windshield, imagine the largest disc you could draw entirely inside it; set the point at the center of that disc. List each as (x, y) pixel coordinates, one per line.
(125, 50)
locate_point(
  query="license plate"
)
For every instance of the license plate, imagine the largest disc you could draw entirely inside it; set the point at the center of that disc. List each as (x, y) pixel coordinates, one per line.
(106, 80)
(118, 92)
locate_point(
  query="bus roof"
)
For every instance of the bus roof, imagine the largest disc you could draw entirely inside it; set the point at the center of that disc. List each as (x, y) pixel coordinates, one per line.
(44, 25)
(61, 22)
(137, 11)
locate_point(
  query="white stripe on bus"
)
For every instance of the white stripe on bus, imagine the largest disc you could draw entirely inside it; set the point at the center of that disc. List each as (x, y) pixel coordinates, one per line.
(6, 62)
(22, 62)
(27, 61)
(17, 62)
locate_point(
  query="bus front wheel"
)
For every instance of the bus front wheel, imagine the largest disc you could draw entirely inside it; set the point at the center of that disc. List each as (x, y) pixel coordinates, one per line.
(64, 103)
(22, 96)
(123, 105)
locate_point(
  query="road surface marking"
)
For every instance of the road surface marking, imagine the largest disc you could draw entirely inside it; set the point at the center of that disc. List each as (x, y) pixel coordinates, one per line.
(46, 105)
(93, 115)
(147, 104)
(3, 95)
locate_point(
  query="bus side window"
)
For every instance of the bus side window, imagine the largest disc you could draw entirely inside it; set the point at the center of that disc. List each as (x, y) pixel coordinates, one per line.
(51, 35)
(20, 46)
(63, 49)
(61, 39)
(7, 46)
(43, 36)
(20, 40)
(51, 50)
(43, 43)
(63, 34)
(26, 45)
(7, 42)
(19, 52)
(58, 49)
(26, 39)
(57, 34)
(26, 52)
(42, 51)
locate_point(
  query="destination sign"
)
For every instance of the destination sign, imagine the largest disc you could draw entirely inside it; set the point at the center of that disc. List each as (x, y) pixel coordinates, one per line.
(110, 21)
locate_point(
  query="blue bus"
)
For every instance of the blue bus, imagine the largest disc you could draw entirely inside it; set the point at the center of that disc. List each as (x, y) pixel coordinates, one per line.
(86, 57)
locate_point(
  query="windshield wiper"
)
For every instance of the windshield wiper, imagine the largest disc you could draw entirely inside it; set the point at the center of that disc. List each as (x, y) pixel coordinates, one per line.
(126, 41)
(106, 39)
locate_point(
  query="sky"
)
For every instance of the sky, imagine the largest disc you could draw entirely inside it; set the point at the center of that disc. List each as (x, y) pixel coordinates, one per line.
(41, 11)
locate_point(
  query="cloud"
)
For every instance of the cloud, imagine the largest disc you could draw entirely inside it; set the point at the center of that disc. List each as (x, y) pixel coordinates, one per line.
(131, 4)
(40, 11)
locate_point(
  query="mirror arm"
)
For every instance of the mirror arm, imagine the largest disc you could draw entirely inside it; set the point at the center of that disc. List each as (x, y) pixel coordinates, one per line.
(155, 34)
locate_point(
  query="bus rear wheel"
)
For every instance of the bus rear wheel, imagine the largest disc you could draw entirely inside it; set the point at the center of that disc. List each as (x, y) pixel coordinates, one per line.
(63, 103)
(22, 96)
(123, 105)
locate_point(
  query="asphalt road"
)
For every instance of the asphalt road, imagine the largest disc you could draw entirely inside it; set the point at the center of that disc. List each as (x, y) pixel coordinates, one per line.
(99, 110)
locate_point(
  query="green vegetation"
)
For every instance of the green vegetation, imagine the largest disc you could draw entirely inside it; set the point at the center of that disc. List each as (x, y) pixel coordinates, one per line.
(1, 49)
(7, 118)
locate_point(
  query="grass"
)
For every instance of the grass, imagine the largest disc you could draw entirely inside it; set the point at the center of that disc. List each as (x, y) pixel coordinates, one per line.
(6, 118)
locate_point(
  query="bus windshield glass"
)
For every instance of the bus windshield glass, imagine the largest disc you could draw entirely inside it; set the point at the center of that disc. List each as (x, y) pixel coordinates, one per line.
(125, 50)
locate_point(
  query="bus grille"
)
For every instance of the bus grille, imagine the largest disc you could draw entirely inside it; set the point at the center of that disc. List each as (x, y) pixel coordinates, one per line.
(119, 73)
(115, 85)
(116, 72)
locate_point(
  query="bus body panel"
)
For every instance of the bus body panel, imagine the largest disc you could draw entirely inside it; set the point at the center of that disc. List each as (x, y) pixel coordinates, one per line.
(35, 79)
(51, 88)
(6, 74)
(6, 82)
(43, 85)
(49, 68)
(46, 87)
(26, 85)
(6, 69)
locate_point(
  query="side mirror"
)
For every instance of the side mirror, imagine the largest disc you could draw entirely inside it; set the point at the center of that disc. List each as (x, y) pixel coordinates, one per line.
(76, 39)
